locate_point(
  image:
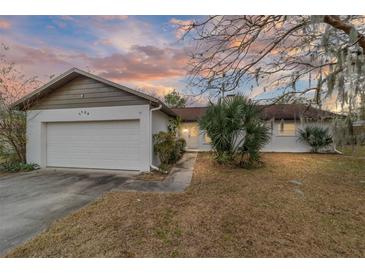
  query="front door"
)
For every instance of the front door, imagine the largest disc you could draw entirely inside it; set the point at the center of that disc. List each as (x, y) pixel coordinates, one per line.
(190, 132)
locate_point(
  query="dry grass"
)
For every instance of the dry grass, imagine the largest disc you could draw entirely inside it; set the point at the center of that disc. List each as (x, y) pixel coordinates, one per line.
(358, 151)
(225, 213)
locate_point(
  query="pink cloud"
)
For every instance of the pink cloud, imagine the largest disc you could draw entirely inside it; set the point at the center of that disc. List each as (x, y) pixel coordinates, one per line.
(43, 61)
(103, 42)
(4, 24)
(151, 69)
(139, 64)
(158, 91)
(181, 26)
(143, 63)
(31, 56)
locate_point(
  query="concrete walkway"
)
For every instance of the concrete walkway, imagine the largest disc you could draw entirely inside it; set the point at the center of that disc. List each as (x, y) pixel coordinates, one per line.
(178, 179)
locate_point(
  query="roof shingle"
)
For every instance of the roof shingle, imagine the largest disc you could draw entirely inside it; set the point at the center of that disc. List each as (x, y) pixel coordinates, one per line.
(279, 111)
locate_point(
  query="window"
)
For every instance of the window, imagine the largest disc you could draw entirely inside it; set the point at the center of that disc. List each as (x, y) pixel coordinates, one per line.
(207, 139)
(287, 128)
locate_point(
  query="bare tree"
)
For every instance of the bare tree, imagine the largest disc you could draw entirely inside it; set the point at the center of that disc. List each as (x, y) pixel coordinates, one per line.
(13, 85)
(296, 55)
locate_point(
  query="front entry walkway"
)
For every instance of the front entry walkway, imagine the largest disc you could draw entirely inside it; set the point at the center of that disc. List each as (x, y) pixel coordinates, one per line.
(179, 178)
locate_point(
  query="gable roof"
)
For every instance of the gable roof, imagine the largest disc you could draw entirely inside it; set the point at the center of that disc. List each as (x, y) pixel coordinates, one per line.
(71, 74)
(279, 111)
(190, 114)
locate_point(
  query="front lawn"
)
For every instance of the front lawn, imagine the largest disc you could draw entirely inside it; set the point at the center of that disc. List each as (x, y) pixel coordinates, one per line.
(225, 213)
(358, 151)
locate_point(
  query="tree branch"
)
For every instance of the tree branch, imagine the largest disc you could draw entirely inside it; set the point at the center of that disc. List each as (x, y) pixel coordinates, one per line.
(347, 28)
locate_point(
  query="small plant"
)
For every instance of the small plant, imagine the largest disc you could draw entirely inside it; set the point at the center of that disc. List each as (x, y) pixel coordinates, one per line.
(315, 136)
(18, 166)
(168, 148)
(174, 125)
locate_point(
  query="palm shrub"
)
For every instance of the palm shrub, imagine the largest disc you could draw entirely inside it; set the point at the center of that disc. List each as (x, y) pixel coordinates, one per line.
(315, 136)
(236, 130)
(257, 135)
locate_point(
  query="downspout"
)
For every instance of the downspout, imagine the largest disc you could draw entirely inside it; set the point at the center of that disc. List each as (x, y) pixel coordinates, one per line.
(337, 151)
(334, 143)
(151, 148)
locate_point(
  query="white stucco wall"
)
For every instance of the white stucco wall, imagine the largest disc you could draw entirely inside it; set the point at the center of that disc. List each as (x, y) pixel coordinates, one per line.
(277, 143)
(160, 122)
(37, 119)
(280, 143)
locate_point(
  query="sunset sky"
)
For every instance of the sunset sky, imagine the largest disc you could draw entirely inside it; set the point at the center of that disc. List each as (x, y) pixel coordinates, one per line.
(142, 52)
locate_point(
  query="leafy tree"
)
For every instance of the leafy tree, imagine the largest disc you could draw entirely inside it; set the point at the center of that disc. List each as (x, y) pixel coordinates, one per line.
(236, 130)
(13, 136)
(316, 55)
(13, 85)
(175, 100)
(315, 136)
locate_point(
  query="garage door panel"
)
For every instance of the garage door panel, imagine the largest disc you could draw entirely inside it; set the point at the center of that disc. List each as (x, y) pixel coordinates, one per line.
(104, 144)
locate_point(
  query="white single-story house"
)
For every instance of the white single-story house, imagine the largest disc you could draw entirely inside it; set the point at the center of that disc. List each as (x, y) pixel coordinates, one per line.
(284, 120)
(80, 120)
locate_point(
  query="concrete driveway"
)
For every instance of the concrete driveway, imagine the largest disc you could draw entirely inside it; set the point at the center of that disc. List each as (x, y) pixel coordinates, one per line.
(29, 202)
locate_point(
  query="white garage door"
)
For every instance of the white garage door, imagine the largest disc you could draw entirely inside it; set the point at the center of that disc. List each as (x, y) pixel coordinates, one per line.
(104, 144)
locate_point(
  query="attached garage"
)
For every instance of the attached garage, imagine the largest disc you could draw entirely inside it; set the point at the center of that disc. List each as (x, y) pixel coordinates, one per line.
(80, 120)
(101, 144)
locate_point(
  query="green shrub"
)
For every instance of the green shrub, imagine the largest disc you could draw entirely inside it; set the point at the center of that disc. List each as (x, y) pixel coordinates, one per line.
(18, 166)
(168, 148)
(315, 136)
(179, 149)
